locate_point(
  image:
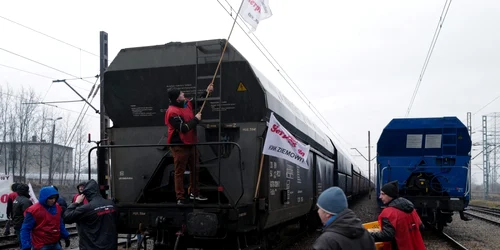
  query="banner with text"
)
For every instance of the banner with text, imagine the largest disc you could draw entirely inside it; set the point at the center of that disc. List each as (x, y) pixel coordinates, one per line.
(254, 11)
(5, 183)
(282, 144)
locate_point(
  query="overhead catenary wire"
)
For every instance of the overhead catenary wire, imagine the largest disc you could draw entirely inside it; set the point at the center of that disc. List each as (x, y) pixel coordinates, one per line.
(442, 18)
(47, 77)
(283, 73)
(488, 104)
(50, 67)
(79, 121)
(48, 104)
(59, 40)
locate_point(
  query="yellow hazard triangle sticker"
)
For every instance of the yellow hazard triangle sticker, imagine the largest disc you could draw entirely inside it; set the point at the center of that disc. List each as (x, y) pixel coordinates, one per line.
(241, 87)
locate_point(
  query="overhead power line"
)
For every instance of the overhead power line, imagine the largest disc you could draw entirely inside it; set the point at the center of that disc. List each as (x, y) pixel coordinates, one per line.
(50, 67)
(444, 12)
(296, 89)
(39, 32)
(48, 104)
(47, 77)
(488, 104)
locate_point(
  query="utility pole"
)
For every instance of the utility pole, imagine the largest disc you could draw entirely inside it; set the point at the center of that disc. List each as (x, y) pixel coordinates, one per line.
(52, 148)
(494, 175)
(369, 167)
(486, 170)
(103, 153)
(469, 127)
(369, 160)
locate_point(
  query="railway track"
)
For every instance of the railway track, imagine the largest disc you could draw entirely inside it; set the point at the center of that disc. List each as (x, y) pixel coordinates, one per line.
(432, 235)
(452, 241)
(485, 210)
(489, 215)
(10, 241)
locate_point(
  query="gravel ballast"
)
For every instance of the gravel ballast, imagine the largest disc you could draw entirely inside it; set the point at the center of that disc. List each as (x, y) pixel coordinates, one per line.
(474, 234)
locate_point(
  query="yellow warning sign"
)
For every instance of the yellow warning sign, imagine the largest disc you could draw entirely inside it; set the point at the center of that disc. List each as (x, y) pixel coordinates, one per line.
(241, 87)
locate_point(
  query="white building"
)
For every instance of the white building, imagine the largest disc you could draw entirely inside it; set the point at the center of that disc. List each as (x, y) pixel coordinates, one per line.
(35, 159)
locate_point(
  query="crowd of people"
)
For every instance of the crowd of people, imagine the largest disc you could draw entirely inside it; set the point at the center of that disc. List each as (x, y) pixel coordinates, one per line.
(41, 226)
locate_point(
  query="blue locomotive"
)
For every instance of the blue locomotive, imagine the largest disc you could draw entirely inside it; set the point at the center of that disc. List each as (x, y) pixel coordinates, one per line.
(430, 159)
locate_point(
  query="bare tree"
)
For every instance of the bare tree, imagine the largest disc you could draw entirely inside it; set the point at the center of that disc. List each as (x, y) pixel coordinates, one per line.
(42, 126)
(41, 132)
(25, 112)
(83, 147)
(13, 155)
(61, 133)
(5, 99)
(81, 150)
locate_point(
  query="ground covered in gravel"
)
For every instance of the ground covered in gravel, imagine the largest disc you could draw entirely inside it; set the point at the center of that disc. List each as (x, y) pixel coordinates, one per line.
(474, 234)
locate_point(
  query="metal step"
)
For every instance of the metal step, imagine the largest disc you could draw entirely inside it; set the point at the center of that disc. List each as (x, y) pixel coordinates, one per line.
(215, 98)
(208, 77)
(209, 165)
(209, 188)
(209, 55)
(209, 120)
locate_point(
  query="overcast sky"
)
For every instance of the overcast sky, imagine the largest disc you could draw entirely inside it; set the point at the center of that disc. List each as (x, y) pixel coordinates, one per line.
(357, 61)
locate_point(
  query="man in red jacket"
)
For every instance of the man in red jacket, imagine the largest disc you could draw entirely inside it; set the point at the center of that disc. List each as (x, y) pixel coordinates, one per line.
(10, 200)
(181, 123)
(79, 188)
(400, 223)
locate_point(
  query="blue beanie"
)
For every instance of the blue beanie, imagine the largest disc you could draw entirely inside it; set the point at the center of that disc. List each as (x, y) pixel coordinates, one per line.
(332, 200)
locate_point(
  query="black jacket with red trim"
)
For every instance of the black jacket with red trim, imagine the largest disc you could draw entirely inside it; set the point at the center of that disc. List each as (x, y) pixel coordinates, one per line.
(96, 220)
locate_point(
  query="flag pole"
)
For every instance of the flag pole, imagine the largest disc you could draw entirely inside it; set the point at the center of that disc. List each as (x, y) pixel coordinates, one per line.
(222, 55)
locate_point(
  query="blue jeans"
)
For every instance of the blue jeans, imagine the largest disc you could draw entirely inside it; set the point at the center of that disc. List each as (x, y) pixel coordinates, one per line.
(54, 246)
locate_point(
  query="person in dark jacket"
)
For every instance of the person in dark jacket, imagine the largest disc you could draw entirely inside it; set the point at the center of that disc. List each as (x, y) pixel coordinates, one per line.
(10, 199)
(181, 123)
(61, 201)
(96, 220)
(20, 205)
(342, 228)
(400, 223)
(43, 225)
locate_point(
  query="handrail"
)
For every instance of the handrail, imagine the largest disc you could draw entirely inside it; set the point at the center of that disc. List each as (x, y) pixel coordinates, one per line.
(468, 182)
(176, 144)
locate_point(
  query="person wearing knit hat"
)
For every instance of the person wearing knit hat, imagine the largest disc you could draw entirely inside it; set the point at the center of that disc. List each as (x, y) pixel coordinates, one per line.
(181, 123)
(390, 191)
(399, 221)
(342, 228)
(21, 203)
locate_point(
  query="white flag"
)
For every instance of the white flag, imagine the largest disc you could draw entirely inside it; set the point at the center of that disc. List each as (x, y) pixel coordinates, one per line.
(280, 143)
(32, 194)
(254, 11)
(5, 183)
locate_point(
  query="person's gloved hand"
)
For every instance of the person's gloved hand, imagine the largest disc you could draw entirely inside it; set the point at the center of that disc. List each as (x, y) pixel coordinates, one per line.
(66, 242)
